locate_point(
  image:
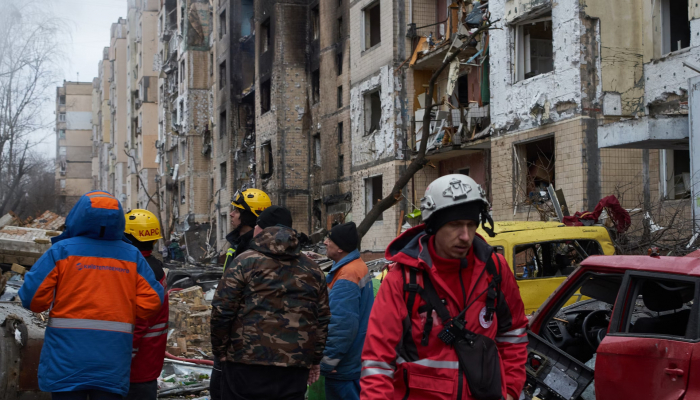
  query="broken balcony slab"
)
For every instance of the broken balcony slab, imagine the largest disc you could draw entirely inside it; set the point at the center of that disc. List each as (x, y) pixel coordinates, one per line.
(646, 133)
(433, 60)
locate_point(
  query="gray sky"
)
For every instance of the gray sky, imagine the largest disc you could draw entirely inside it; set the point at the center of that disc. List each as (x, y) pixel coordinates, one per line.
(88, 22)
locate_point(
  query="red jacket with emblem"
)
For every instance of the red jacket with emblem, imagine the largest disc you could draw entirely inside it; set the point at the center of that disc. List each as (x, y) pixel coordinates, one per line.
(395, 363)
(151, 336)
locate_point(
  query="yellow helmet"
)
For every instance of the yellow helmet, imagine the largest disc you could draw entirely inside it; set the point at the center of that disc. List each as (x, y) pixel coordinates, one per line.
(142, 225)
(253, 200)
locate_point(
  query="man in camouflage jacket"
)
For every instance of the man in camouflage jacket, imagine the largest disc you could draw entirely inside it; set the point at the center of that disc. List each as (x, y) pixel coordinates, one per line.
(270, 315)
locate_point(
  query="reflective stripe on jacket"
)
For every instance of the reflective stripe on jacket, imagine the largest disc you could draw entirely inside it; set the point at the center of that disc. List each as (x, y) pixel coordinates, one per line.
(96, 285)
(398, 366)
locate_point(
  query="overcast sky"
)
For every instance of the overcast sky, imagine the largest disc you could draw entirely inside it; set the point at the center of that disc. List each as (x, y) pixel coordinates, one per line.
(88, 22)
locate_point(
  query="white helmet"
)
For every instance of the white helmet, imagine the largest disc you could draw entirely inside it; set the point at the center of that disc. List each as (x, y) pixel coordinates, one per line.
(449, 190)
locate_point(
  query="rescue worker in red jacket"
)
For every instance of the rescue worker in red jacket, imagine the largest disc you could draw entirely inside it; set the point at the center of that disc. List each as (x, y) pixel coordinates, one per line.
(406, 352)
(150, 336)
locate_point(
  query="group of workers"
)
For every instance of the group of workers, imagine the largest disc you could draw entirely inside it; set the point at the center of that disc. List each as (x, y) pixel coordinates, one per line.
(447, 323)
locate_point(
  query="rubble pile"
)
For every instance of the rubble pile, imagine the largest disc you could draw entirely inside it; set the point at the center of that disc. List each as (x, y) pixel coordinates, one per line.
(190, 315)
(181, 378)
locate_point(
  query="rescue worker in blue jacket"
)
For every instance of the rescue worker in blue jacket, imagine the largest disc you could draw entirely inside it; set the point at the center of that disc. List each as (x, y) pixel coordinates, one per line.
(95, 285)
(351, 297)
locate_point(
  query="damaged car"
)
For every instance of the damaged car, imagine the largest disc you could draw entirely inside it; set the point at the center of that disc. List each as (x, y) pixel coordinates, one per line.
(619, 327)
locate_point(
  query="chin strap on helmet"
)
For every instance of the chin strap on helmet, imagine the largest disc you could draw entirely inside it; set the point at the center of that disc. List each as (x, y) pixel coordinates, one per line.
(485, 217)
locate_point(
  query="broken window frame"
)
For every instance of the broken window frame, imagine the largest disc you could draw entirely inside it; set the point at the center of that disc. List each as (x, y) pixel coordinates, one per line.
(671, 174)
(340, 132)
(316, 150)
(266, 169)
(315, 24)
(522, 46)
(265, 93)
(222, 74)
(183, 189)
(222, 24)
(372, 119)
(182, 70)
(223, 223)
(372, 184)
(340, 96)
(223, 124)
(222, 175)
(668, 25)
(315, 86)
(339, 63)
(265, 36)
(523, 180)
(372, 33)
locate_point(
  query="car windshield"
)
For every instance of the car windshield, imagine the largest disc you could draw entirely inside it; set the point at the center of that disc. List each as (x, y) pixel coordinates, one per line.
(552, 258)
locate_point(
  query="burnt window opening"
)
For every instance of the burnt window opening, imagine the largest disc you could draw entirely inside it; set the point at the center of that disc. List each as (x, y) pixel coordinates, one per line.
(340, 29)
(534, 47)
(265, 36)
(372, 26)
(535, 166)
(373, 194)
(339, 63)
(373, 111)
(223, 222)
(315, 24)
(222, 74)
(315, 86)
(247, 17)
(182, 71)
(676, 173)
(222, 174)
(463, 90)
(211, 63)
(675, 27)
(181, 113)
(222, 24)
(182, 192)
(340, 96)
(266, 159)
(317, 150)
(265, 97)
(341, 164)
(340, 132)
(223, 125)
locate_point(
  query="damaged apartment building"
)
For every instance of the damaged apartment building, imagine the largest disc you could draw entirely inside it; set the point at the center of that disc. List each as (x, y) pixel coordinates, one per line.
(321, 103)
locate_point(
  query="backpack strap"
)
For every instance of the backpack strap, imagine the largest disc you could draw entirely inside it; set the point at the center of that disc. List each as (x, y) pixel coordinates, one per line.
(494, 286)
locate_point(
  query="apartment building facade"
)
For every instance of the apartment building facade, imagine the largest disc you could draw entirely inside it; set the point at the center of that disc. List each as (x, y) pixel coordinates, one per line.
(73, 134)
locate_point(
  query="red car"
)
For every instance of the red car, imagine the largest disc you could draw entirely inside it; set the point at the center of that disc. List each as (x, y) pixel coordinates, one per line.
(631, 330)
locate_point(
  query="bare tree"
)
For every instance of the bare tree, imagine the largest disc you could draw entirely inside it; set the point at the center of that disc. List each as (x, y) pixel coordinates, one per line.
(419, 161)
(29, 50)
(156, 194)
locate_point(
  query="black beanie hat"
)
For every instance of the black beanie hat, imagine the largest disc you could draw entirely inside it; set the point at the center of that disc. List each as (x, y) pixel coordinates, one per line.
(275, 215)
(470, 211)
(248, 218)
(345, 236)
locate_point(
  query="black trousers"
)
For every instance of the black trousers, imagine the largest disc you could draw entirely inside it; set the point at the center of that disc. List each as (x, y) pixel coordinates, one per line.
(84, 395)
(215, 382)
(263, 382)
(143, 391)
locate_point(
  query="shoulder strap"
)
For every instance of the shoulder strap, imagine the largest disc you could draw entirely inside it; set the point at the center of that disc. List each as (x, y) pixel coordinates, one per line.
(493, 288)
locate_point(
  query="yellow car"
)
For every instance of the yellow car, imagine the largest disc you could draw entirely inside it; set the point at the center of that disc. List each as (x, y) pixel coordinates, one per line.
(543, 254)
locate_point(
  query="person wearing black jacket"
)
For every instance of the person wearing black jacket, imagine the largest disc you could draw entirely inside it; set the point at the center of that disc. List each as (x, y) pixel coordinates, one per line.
(247, 206)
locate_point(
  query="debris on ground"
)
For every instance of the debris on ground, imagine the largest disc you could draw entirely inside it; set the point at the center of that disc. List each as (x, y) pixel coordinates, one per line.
(10, 283)
(190, 315)
(180, 378)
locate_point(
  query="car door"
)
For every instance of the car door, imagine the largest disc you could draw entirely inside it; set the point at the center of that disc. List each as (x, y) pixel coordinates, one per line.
(648, 349)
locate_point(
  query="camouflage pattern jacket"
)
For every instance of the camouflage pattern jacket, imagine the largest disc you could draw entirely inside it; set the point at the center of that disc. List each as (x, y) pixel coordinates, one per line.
(271, 306)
